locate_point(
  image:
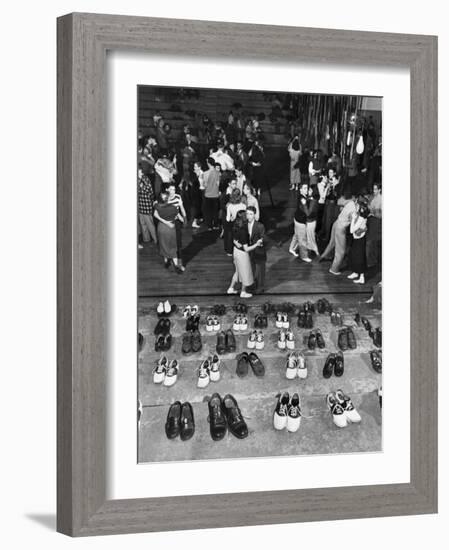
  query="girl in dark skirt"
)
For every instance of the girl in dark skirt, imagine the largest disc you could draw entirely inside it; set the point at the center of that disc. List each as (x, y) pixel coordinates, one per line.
(357, 255)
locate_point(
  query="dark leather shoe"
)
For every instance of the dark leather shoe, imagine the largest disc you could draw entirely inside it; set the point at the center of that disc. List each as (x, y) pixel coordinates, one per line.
(236, 424)
(159, 344)
(339, 366)
(221, 343)
(263, 321)
(187, 422)
(376, 361)
(186, 346)
(230, 341)
(329, 364)
(320, 306)
(140, 340)
(217, 418)
(377, 338)
(309, 320)
(352, 342)
(343, 339)
(302, 319)
(167, 342)
(366, 324)
(256, 364)
(196, 341)
(173, 422)
(162, 327)
(319, 339)
(358, 319)
(242, 365)
(311, 341)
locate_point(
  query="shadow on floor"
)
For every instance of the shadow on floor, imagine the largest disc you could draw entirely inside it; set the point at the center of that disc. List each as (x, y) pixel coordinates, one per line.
(46, 520)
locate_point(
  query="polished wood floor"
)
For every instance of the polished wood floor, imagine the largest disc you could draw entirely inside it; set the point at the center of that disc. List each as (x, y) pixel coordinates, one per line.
(209, 269)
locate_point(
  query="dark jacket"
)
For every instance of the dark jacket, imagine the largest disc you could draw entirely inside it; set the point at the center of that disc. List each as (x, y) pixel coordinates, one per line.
(259, 254)
(306, 210)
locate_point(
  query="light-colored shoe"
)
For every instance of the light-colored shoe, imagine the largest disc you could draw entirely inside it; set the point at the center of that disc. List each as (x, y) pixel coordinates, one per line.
(195, 224)
(260, 341)
(203, 374)
(160, 370)
(285, 323)
(244, 294)
(294, 414)
(307, 260)
(281, 412)
(231, 291)
(334, 272)
(295, 254)
(290, 340)
(214, 370)
(243, 323)
(291, 370)
(347, 405)
(237, 323)
(302, 366)
(167, 307)
(338, 414)
(252, 338)
(160, 308)
(360, 280)
(353, 276)
(282, 343)
(172, 373)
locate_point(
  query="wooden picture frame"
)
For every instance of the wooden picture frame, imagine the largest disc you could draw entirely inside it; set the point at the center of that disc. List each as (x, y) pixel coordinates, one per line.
(83, 40)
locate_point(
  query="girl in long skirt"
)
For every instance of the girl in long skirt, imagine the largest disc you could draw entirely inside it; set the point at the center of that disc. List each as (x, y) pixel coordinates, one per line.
(357, 255)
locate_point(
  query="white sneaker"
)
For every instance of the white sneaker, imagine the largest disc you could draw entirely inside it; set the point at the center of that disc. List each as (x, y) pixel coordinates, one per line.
(334, 272)
(360, 280)
(282, 340)
(209, 323)
(167, 307)
(203, 374)
(159, 370)
(216, 323)
(294, 414)
(244, 294)
(281, 411)
(291, 370)
(347, 405)
(295, 254)
(160, 308)
(243, 323)
(252, 339)
(353, 276)
(195, 224)
(172, 373)
(237, 323)
(338, 414)
(302, 366)
(231, 291)
(279, 320)
(285, 322)
(307, 260)
(260, 341)
(290, 340)
(214, 370)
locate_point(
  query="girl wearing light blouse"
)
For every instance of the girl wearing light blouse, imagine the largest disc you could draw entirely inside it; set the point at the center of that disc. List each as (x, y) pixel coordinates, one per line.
(250, 200)
(357, 255)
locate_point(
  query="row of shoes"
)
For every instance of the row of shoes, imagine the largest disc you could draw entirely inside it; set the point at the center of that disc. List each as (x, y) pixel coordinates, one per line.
(286, 339)
(282, 320)
(286, 307)
(225, 414)
(190, 310)
(180, 421)
(191, 342)
(287, 413)
(296, 366)
(261, 321)
(226, 342)
(336, 318)
(212, 323)
(374, 334)
(209, 371)
(316, 339)
(256, 340)
(240, 322)
(305, 319)
(193, 322)
(323, 306)
(376, 360)
(342, 409)
(165, 308)
(245, 361)
(346, 339)
(166, 372)
(334, 364)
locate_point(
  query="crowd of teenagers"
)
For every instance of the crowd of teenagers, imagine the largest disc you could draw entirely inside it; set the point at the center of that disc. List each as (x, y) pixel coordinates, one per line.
(215, 183)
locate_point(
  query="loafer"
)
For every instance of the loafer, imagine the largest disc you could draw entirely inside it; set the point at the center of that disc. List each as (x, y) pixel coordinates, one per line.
(311, 341)
(352, 342)
(309, 320)
(281, 412)
(301, 319)
(186, 346)
(339, 365)
(173, 422)
(329, 365)
(377, 338)
(197, 344)
(159, 344)
(319, 339)
(376, 361)
(343, 339)
(236, 423)
(242, 365)
(167, 342)
(217, 418)
(221, 343)
(366, 324)
(187, 422)
(162, 326)
(256, 365)
(230, 341)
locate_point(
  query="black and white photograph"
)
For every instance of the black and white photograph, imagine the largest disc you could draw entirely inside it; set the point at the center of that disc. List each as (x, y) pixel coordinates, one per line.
(259, 236)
